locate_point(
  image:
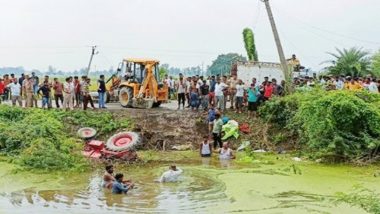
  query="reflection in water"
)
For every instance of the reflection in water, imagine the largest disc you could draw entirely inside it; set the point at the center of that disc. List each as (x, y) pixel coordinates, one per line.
(148, 197)
(206, 161)
(225, 163)
(253, 188)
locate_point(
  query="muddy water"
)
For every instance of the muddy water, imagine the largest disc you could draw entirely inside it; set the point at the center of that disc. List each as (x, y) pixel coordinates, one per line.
(271, 184)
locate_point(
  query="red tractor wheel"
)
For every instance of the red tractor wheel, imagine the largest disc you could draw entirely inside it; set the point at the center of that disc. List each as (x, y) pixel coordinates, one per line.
(123, 141)
(86, 133)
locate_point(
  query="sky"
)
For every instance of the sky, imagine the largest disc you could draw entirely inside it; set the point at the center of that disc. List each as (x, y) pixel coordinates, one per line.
(183, 33)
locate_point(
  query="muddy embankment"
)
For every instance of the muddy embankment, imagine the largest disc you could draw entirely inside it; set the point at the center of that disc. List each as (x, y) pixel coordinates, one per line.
(165, 129)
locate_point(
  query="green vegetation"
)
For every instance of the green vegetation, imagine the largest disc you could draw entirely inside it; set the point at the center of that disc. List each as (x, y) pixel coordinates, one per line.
(376, 64)
(363, 198)
(162, 72)
(350, 62)
(222, 65)
(335, 125)
(46, 140)
(249, 42)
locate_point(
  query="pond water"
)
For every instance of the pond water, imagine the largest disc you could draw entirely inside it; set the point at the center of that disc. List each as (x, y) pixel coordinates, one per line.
(271, 184)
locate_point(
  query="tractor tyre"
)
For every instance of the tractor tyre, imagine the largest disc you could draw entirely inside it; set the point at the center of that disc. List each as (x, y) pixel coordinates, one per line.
(125, 97)
(123, 141)
(157, 104)
(86, 133)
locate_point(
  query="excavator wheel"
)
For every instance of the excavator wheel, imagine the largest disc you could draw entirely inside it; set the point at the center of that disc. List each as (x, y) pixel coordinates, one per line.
(108, 97)
(157, 104)
(125, 97)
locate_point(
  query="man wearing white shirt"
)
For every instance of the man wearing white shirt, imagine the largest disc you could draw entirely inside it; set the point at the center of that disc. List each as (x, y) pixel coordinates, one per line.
(171, 175)
(188, 85)
(200, 81)
(372, 87)
(72, 92)
(68, 88)
(15, 88)
(181, 91)
(339, 83)
(168, 82)
(219, 93)
(239, 96)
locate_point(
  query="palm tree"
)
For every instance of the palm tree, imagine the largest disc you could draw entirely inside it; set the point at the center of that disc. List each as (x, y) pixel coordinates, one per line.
(376, 64)
(350, 62)
(249, 41)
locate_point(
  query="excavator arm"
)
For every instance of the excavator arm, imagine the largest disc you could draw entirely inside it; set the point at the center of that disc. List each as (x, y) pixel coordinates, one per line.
(149, 86)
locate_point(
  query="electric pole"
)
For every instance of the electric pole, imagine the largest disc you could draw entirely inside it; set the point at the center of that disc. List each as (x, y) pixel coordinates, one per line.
(284, 64)
(92, 56)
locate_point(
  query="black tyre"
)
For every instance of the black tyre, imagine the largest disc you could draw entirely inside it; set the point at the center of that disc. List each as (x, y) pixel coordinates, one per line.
(125, 97)
(108, 97)
(157, 104)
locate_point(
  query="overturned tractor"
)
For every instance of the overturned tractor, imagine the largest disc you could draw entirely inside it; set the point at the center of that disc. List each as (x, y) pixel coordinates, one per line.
(120, 146)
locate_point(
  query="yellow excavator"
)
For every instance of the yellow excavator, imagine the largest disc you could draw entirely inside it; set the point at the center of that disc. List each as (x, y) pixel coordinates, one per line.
(136, 84)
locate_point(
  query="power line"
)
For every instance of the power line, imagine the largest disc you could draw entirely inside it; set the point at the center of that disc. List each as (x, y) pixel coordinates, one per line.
(324, 30)
(256, 22)
(333, 41)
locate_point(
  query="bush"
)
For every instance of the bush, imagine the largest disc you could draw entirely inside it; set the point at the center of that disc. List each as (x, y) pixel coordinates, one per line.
(41, 139)
(361, 197)
(336, 124)
(44, 154)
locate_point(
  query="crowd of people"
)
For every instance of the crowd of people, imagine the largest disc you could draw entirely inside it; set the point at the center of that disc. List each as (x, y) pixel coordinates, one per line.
(197, 92)
(69, 94)
(330, 82)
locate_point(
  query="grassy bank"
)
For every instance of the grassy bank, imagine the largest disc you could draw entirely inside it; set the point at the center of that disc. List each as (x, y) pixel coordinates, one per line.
(46, 140)
(331, 125)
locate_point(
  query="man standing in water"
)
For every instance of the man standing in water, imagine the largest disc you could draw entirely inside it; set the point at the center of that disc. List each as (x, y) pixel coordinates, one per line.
(109, 179)
(171, 175)
(225, 153)
(205, 149)
(118, 187)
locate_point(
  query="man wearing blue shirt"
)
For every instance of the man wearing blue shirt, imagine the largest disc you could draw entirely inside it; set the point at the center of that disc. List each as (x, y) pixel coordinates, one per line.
(118, 187)
(252, 91)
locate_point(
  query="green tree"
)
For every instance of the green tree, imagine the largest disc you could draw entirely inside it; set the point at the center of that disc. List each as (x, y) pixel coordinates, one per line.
(250, 47)
(223, 63)
(163, 71)
(350, 62)
(376, 64)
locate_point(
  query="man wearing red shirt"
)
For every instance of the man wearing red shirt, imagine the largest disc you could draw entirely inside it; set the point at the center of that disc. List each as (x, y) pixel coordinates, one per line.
(6, 83)
(268, 91)
(77, 91)
(2, 87)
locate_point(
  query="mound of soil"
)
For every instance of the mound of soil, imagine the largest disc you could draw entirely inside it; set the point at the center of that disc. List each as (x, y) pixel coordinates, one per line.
(166, 129)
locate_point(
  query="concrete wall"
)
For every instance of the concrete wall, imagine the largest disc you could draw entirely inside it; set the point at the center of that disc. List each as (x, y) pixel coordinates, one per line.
(259, 70)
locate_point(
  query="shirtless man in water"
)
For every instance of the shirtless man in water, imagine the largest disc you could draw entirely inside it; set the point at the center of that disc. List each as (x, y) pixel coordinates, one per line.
(109, 179)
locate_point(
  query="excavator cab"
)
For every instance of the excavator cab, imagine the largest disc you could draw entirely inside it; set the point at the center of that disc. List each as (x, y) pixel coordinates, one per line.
(135, 71)
(140, 87)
